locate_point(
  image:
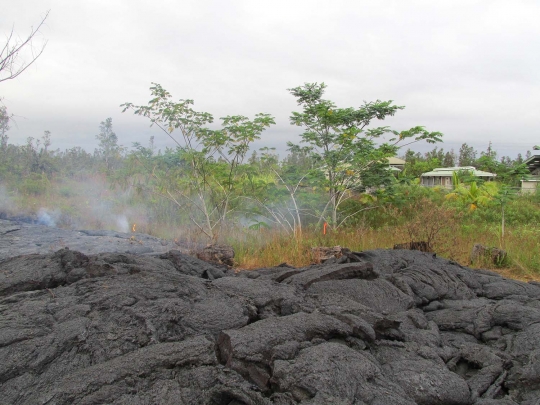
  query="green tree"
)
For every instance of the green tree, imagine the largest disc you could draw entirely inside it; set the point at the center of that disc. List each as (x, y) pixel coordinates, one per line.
(490, 164)
(411, 156)
(208, 163)
(345, 149)
(467, 155)
(44, 158)
(449, 159)
(417, 167)
(291, 193)
(508, 172)
(109, 151)
(503, 196)
(76, 162)
(435, 154)
(4, 128)
(33, 158)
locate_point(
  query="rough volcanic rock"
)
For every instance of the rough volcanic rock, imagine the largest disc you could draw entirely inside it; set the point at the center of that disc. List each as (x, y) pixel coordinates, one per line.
(216, 254)
(20, 238)
(422, 374)
(422, 246)
(318, 274)
(250, 350)
(496, 255)
(380, 295)
(332, 373)
(392, 327)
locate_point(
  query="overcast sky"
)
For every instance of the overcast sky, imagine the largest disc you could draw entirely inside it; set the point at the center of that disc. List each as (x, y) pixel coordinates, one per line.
(470, 69)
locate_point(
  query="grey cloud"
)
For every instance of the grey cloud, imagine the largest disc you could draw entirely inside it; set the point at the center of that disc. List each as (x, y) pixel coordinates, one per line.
(466, 68)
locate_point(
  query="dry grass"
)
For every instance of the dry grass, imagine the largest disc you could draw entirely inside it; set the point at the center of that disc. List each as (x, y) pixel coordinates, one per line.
(268, 248)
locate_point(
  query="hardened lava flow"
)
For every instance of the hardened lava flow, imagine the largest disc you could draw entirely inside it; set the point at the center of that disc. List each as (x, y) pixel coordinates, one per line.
(84, 320)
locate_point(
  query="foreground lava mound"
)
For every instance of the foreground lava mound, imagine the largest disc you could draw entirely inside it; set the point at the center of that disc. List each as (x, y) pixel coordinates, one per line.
(396, 327)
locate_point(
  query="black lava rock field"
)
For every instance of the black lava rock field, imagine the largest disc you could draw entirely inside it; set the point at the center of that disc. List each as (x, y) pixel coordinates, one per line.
(91, 322)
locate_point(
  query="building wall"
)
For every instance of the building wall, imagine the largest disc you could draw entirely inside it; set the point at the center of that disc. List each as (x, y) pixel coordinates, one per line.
(430, 181)
(529, 186)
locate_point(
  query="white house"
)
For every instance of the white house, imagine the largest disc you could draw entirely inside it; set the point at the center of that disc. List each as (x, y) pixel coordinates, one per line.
(533, 164)
(443, 176)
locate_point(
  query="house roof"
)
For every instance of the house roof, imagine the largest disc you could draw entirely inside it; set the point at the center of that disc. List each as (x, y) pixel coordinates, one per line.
(395, 161)
(533, 162)
(449, 171)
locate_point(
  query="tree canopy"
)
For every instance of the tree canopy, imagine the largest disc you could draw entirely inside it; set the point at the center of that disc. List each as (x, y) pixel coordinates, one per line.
(350, 154)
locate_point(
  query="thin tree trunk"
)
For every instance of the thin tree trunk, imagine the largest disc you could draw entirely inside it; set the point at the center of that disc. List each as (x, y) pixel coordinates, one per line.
(502, 226)
(334, 208)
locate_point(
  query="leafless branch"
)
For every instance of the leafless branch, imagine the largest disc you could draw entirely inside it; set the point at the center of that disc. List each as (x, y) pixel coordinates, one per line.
(12, 63)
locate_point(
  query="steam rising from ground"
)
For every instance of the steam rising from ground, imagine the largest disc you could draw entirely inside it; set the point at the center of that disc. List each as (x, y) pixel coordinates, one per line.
(91, 203)
(6, 202)
(48, 218)
(88, 204)
(122, 223)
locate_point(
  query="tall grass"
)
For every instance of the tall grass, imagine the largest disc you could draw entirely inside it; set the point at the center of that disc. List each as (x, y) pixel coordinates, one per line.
(267, 248)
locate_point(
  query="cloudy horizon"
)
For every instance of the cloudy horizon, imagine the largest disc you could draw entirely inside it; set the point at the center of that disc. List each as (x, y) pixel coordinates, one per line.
(468, 69)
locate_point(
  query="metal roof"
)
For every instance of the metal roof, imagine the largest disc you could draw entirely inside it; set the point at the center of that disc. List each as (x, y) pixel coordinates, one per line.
(531, 178)
(533, 162)
(449, 171)
(396, 161)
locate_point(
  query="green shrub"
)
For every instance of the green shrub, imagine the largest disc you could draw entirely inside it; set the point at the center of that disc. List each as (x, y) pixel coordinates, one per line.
(66, 192)
(35, 184)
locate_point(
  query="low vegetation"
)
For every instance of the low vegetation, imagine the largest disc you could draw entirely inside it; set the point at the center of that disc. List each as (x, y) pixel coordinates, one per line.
(333, 188)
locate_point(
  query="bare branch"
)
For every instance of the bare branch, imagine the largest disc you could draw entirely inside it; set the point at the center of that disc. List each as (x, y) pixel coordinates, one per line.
(11, 62)
(356, 212)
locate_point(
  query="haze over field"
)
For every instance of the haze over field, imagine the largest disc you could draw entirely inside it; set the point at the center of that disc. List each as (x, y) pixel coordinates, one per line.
(466, 68)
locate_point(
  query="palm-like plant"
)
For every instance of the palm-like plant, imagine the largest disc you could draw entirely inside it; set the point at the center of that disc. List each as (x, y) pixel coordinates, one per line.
(473, 195)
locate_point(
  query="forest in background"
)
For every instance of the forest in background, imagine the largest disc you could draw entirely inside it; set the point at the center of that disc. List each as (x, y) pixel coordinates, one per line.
(334, 187)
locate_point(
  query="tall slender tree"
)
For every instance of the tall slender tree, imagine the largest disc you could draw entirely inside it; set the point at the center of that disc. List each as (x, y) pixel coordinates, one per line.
(109, 150)
(4, 127)
(341, 142)
(467, 155)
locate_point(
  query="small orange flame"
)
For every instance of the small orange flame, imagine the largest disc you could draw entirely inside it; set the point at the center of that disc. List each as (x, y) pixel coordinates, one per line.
(133, 227)
(324, 228)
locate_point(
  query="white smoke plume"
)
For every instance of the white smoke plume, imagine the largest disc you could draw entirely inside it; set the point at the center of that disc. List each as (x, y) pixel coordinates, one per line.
(84, 204)
(48, 218)
(6, 203)
(122, 223)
